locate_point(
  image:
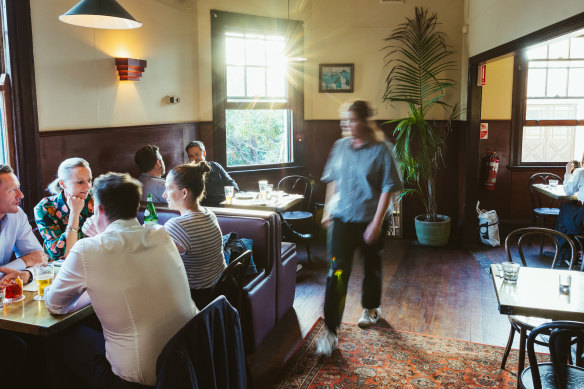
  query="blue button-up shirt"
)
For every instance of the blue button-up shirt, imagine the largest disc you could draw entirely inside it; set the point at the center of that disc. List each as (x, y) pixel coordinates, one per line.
(361, 175)
(16, 236)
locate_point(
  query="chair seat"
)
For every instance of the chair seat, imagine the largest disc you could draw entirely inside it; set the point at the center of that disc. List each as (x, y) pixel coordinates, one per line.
(297, 215)
(575, 377)
(546, 211)
(527, 322)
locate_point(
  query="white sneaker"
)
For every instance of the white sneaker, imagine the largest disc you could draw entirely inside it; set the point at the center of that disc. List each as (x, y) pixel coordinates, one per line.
(369, 317)
(327, 343)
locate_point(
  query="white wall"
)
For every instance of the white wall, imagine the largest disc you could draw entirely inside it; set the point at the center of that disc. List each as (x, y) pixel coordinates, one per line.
(77, 83)
(495, 22)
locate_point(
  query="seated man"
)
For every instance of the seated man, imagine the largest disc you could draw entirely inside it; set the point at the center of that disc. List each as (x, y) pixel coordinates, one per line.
(15, 237)
(217, 179)
(137, 283)
(152, 167)
(571, 218)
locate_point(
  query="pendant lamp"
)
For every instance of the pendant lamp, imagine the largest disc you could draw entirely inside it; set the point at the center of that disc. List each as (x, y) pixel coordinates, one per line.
(108, 14)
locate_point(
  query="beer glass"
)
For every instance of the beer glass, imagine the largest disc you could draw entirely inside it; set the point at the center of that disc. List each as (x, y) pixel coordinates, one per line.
(43, 274)
(228, 194)
(262, 184)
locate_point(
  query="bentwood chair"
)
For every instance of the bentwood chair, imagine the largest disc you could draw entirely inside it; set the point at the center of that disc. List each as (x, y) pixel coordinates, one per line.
(298, 225)
(523, 324)
(230, 283)
(559, 373)
(544, 210)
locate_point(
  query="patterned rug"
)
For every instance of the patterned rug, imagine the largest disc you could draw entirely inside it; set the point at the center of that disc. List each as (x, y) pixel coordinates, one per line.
(384, 358)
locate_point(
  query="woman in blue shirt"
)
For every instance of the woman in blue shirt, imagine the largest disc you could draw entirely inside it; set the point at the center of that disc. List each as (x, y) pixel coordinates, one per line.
(362, 175)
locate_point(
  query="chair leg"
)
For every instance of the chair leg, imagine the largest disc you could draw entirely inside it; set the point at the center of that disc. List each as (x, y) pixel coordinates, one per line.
(508, 347)
(522, 342)
(308, 252)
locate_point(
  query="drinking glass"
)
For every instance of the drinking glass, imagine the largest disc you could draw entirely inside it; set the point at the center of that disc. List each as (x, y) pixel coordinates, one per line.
(262, 184)
(553, 183)
(510, 271)
(229, 194)
(268, 188)
(13, 290)
(565, 282)
(43, 274)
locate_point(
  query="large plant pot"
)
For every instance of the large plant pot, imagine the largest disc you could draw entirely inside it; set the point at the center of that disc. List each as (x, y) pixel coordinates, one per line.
(433, 234)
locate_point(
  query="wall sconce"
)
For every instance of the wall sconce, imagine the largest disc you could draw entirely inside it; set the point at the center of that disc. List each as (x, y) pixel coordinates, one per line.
(130, 69)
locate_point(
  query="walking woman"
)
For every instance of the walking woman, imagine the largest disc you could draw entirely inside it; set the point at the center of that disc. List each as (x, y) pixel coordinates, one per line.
(60, 217)
(362, 175)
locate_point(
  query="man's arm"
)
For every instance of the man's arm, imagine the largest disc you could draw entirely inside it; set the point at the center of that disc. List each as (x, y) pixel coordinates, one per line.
(226, 178)
(64, 295)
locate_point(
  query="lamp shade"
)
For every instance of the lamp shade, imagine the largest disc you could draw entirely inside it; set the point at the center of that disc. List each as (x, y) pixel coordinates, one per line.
(108, 14)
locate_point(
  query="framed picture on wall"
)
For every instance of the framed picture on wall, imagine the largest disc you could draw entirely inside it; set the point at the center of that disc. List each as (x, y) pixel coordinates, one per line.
(336, 78)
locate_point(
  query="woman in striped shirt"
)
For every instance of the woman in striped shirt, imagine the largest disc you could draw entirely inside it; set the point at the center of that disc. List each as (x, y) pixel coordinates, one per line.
(196, 231)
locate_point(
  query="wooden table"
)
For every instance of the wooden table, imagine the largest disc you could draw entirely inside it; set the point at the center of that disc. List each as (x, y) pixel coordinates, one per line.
(536, 293)
(30, 316)
(556, 192)
(287, 202)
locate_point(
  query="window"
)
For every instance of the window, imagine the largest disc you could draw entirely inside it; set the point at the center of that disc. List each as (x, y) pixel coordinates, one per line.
(552, 119)
(257, 93)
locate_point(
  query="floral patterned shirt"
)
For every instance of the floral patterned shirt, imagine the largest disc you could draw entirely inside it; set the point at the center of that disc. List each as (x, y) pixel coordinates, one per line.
(52, 217)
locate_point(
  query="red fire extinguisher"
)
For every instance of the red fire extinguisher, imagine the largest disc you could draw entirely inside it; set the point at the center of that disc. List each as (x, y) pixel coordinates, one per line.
(492, 167)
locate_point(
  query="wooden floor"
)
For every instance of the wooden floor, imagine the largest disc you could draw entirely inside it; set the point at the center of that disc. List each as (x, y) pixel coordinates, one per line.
(442, 292)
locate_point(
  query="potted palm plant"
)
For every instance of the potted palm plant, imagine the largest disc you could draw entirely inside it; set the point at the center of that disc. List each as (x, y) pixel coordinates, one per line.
(418, 58)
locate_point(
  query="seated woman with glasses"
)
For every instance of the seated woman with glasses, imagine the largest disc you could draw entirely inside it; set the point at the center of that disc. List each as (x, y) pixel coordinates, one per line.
(60, 217)
(196, 231)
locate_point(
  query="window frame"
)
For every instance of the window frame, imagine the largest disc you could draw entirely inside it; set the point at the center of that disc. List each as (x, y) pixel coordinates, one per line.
(293, 30)
(518, 109)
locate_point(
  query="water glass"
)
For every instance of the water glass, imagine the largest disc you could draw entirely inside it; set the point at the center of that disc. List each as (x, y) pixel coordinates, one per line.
(43, 274)
(229, 194)
(565, 282)
(262, 184)
(553, 183)
(510, 271)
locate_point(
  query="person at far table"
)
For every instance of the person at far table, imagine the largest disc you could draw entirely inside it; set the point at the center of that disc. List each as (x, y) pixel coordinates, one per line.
(152, 169)
(196, 231)
(571, 218)
(60, 217)
(217, 179)
(16, 237)
(135, 280)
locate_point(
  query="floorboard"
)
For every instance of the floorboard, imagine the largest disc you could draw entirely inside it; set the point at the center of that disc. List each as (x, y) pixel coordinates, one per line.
(435, 291)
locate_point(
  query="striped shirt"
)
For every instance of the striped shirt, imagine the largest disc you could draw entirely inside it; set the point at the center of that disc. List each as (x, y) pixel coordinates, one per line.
(199, 235)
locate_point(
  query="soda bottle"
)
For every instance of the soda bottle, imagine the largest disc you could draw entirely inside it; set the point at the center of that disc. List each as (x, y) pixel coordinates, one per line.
(150, 215)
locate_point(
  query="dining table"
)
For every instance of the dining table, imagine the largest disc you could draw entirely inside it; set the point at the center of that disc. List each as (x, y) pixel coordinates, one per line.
(557, 192)
(30, 316)
(537, 293)
(253, 200)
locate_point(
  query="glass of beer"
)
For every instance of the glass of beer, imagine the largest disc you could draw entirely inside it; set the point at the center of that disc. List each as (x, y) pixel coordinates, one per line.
(229, 194)
(43, 274)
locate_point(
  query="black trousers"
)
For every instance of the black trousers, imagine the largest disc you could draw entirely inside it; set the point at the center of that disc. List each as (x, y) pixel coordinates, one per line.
(343, 240)
(570, 221)
(76, 359)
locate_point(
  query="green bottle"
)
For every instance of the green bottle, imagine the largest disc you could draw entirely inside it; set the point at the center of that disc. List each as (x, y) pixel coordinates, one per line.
(150, 215)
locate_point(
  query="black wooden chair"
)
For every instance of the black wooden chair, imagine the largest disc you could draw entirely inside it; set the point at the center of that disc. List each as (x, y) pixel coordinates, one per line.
(298, 224)
(543, 206)
(230, 283)
(524, 324)
(560, 372)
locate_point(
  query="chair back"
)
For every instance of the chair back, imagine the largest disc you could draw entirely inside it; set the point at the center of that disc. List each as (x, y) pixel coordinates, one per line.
(230, 283)
(539, 200)
(299, 185)
(561, 337)
(517, 238)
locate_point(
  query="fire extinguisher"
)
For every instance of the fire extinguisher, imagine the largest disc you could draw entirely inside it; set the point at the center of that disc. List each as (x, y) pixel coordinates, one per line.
(492, 167)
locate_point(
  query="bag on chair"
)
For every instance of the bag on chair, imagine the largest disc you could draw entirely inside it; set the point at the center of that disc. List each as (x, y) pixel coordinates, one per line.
(488, 227)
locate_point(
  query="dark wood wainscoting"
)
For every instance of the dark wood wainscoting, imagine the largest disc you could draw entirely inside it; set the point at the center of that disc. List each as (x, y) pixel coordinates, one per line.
(113, 149)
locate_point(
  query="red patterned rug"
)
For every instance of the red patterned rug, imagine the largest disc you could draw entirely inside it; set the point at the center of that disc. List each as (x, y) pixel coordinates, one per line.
(384, 358)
